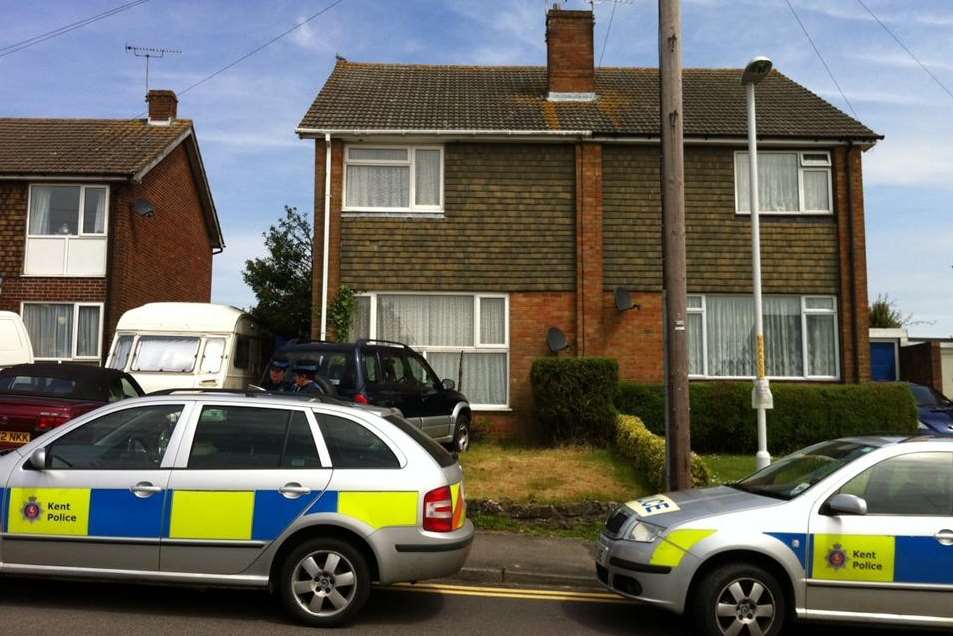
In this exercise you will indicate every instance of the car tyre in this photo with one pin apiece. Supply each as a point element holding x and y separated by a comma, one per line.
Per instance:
<point>461,434</point>
<point>732,597</point>
<point>324,582</point>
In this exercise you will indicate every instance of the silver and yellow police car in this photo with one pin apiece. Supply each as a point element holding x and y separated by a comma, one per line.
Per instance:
<point>313,500</point>
<point>855,529</point>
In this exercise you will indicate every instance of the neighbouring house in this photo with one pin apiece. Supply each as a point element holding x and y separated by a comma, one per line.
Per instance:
<point>475,207</point>
<point>98,216</point>
<point>896,355</point>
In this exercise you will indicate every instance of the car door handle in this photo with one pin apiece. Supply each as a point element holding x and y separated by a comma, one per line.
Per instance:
<point>294,490</point>
<point>945,537</point>
<point>145,489</point>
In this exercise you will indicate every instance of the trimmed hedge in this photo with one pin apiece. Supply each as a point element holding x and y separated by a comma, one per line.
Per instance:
<point>574,398</point>
<point>647,452</point>
<point>803,414</point>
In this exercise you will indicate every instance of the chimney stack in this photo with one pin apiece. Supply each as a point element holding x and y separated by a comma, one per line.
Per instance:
<point>163,105</point>
<point>569,55</point>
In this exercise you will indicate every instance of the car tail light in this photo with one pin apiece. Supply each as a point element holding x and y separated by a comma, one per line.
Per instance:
<point>360,398</point>
<point>438,510</point>
<point>46,421</point>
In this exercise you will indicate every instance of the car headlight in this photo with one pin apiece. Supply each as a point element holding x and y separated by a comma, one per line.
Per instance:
<point>644,532</point>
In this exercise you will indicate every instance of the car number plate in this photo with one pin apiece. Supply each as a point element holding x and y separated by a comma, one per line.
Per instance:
<point>602,558</point>
<point>14,437</point>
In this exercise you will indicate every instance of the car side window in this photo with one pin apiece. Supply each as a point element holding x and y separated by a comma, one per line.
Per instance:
<point>248,438</point>
<point>912,484</point>
<point>336,368</point>
<point>128,390</point>
<point>115,390</point>
<point>353,446</point>
<point>372,367</point>
<point>421,372</point>
<point>130,439</point>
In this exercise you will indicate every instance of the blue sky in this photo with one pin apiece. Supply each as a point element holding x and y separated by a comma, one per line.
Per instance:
<point>246,117</point>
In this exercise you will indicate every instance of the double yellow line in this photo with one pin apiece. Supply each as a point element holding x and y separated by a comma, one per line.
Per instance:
<point>510,592</point>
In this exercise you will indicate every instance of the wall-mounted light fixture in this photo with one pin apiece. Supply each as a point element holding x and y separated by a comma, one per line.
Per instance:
<point>143,207</point>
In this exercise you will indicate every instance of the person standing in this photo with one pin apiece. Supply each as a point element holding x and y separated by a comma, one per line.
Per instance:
<point>305,370</point>
<point>277,377</point>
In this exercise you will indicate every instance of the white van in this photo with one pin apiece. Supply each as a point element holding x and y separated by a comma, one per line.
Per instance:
<point>189,345</point>
<point>15,347</point>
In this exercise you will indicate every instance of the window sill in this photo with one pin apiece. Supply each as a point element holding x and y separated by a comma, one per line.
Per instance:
<point>392,214</point>
<point>750,378</point>
<point>820,213</point>
<point>25,275</point>
<point>489,408</point>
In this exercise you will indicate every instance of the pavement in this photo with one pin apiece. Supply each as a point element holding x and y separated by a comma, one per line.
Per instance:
<point>499,558</point>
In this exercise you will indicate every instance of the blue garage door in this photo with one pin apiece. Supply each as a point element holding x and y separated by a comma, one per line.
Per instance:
<point>883,361</point>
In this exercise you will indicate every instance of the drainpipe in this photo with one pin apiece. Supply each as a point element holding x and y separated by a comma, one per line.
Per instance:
<point>855,313</point>
<point>327,237</point>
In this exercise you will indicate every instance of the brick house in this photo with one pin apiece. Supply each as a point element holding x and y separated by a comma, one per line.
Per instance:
<point>98,216</point>
<point>476,207</point>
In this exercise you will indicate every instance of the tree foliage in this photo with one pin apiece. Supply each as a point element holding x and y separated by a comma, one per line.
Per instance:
<point>884,314</point>
<point>281,280</point>
<point>341,313</point>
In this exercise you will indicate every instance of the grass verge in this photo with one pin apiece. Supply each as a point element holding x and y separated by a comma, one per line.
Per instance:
<point>564,529</point>
<point>728,468</point>
<point>564,474</point>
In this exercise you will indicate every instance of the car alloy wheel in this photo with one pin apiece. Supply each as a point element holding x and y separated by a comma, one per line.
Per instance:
<point>745,606</point>
<point>324,583</point>
<point>461,436</point>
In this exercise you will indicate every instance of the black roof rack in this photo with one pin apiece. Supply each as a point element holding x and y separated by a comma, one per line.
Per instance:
<point>384,342</point>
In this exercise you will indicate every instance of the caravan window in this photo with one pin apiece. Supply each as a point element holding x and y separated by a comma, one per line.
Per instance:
<point>212,356</point>
<point>171,354</point>
<point>121,353</point>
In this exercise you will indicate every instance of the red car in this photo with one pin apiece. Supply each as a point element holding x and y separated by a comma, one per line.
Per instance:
<point>37,397</point>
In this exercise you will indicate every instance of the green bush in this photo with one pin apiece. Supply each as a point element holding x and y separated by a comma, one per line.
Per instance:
<point>647,452</point>
<point>574,398</point>
<point>724,422</point>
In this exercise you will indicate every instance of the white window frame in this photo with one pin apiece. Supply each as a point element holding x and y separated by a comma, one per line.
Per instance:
<point>477,347</point>
<point>74,328</point>
<point>411,162</point>
<point>804,165</point>
<point>805,312</point>
<point>67,238</point>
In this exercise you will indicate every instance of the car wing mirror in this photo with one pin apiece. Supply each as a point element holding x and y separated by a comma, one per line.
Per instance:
<point>448,384</point>
<point>38,459</point>
<point>844,504</point>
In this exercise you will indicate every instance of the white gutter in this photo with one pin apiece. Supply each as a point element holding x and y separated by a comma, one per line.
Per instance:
<point>441,132</point>
<point>327,238</point>
<point>57,177</point>
<point>734,141</point>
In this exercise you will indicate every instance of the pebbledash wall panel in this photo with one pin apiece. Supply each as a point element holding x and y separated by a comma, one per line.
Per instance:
<point>509,225</point>
<point>799,253</point>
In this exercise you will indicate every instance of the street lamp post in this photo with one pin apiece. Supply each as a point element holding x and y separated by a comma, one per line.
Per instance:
<point>761,399</point>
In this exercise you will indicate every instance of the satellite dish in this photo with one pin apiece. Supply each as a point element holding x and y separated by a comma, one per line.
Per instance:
<point>623,300</point>
<point>143,207</point>
<point>556,340</point>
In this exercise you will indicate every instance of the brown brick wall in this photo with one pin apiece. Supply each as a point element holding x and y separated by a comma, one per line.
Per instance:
<point>334,244</point>
<point>569,51</point>
<point>922,363</point>
<point>589,261</point>
<point>509,225</point>
<point>167,257</point>
<point>799,255</point>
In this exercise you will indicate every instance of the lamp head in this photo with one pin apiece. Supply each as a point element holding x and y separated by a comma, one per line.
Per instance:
<point>756,70</point>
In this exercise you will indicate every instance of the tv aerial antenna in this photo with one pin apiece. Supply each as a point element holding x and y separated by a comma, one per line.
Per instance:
<point>149,53</point>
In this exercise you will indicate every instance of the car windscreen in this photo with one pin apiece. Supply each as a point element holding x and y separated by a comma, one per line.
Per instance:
<point>928,398</point>
<point>171,354</point>
<point>49,386</point>
<point>793,475</point>
<point>438,452</point>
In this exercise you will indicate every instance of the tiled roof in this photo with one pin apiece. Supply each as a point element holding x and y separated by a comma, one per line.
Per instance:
<point>364,96</point>
<point>118,147</point>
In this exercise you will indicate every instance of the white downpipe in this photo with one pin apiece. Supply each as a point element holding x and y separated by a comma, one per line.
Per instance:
<point>327,237</point>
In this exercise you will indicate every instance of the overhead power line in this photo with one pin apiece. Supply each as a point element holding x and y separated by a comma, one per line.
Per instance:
<point>906,48</point>
<point>830,73</point>
<point>605,42</point>
<point>49,35</point>
<point>263,46</point>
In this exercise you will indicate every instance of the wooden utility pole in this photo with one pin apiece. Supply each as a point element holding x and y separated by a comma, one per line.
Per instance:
<point>673,261</point>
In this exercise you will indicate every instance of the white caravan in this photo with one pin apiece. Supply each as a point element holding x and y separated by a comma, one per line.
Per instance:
<point>15,347</point>
<point>189,345</point>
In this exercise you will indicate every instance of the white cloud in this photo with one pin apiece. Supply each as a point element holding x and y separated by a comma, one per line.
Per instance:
<point>910,161</point>
<point>227,284</point>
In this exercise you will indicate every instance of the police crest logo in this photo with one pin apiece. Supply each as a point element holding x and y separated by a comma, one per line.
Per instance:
<point>32,510</point>
<point>837,557</point>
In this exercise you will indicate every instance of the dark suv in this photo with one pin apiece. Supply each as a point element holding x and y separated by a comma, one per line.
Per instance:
<point>389,374</point>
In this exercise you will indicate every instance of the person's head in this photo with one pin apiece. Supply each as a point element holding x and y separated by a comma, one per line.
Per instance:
<point>305,372</point>
<point>277,371</point>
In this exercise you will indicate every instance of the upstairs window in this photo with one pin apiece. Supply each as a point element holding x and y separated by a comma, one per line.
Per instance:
<point>66,231</point>
<point>393,179</point>
<point>789,182</point>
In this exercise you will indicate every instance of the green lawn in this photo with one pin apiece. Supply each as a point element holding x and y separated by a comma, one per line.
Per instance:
<point>548,475</point>
<point>729,468</point>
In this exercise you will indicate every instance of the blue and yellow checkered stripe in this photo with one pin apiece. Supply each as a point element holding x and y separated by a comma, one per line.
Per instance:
<point>191,514</point>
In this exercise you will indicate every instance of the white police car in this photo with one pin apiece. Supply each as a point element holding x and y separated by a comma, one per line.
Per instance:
<point>855,529</point>
<point>312,499</point>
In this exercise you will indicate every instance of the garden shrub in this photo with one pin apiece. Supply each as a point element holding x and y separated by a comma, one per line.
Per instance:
<point>803,414</point>
<point>574,399</point>
<point>647,452</point>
